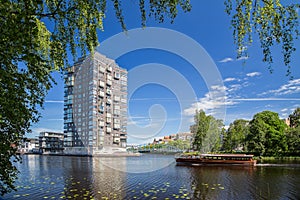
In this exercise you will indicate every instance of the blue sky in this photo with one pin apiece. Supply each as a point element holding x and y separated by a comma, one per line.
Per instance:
<point>156,109</point>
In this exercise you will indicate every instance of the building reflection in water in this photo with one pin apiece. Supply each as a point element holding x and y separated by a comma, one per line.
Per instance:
<point>95,177</point>
<point>109,177</point>
<point>66,177</point>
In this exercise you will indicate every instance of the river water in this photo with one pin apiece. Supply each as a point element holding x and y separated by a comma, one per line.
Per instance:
<point>150,177</point>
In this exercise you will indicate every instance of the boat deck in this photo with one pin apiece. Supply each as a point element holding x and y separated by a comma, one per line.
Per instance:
<point>220,159</point>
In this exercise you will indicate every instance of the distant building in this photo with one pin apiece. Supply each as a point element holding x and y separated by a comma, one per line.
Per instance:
<point>29,145</point>
<point>173,136</point>
<point>51,142</point>
<point>287,121</point>
<point>167,139</point>
<point>186,136</point>
<point>95,106</point>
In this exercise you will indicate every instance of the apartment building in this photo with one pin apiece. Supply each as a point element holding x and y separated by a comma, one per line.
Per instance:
<point>29,145</point>
<point>95,106</point>
<point>51,142</point>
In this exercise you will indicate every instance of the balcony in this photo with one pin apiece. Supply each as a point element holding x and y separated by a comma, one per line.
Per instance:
<point>109,82</point>
<point>116,139</point>
<point>108,101</point>
<point>109,69</point>
<point>117,112</point>
<point>123,136</point>
<point>101,123</point>
<point>102,69</point>
<point>108,119</point>
<point>101,84</point>
<point>117,98</point>
<point>101,94</point>
<point>117,126</point>
<point>117,75</point>
<point>108,77</point>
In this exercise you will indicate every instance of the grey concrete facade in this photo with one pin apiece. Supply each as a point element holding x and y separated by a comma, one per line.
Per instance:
<point>95,106</point>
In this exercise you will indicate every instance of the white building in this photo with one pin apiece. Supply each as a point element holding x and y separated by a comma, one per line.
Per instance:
<point>29,145</point>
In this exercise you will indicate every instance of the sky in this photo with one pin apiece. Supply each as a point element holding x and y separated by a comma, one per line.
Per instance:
<point>177,68</point>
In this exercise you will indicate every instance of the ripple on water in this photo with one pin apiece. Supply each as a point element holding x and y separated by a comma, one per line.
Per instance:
<point>79,178</point>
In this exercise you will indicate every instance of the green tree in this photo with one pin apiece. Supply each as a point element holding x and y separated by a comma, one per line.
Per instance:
<point>207,132</point>
<point>293,141</point>
<point>293,135</point>
<point>199,129</point>
<point>30,51</point>
<point>267,134</point>
<point>295,118</point>
<point>180,144</point>
<point>212,141</point>
<point>274,22</point>
<point>236,135</point>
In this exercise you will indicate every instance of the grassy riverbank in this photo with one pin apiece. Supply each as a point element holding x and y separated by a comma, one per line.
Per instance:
<point>272,158</point>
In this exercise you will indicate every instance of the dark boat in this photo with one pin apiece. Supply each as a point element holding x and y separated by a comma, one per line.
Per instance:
<point>216,159</point>
<point>144,151</point>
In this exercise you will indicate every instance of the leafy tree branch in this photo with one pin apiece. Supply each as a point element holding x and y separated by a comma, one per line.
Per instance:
<point>273,22</point>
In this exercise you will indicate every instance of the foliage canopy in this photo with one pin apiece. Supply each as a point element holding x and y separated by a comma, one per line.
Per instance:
<point>207,132</point>
<point>235,137</point>
<point>267,134</point>
<point>273,21</point>
<point>295,118</point>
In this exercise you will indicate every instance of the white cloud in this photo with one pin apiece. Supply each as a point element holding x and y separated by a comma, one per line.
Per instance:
<point>131,122</point>
<point>55,119</point>
<point>228,59</point>
<point>292,87</point>
<point>265,99</point>
<point>213,100</point>
<point>53,101</point>
<point>295,107</point>
<point>234,87</point>
<point>230,79</point>
<point>252,74</point>
<point>218,88</point>
<point>225,60</point>
<point>283,115</point>
<point>152,99</point>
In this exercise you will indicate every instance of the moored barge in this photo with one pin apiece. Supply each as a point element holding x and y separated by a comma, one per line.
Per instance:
<point>217,159</point>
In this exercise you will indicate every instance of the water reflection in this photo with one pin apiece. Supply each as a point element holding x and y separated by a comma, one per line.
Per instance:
<point>77,177</point>
<point>222,182</point>
<point>155,177</point>
<point>277,183</point>
<point>143,164</point>
<point>108,177</point>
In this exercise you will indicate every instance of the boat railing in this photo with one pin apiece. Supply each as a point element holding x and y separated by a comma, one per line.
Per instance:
<point>216,156</point>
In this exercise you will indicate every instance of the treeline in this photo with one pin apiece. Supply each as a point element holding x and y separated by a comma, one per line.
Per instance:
<point>265,135</point>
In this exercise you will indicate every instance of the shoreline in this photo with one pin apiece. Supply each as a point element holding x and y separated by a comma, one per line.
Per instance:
<point>262,160</point>
<point>86,155</point>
